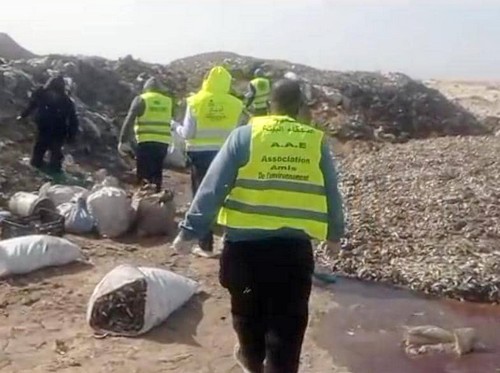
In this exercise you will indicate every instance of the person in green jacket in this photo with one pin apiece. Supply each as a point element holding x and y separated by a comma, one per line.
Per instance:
<point>150,116</point>
<point>259,91</point>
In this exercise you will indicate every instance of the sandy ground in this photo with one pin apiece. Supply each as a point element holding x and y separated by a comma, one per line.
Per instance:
<point>482,98</point>
<point>43,326</point>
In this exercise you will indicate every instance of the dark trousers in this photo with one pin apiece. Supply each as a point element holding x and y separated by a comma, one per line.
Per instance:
<point>199,164</point>
<point>51,144</point>
<point>149,158</point>
<point>270,283</point>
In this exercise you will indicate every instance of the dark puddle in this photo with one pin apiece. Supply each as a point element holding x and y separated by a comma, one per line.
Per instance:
<point>365,333</point>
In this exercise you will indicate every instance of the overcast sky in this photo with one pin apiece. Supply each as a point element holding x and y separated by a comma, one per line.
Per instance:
<point>439,38</point>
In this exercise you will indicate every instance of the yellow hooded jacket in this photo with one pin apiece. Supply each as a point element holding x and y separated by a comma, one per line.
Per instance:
<point>215,110</point>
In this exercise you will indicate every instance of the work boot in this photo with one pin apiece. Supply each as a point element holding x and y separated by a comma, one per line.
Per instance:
<point>239,359</point>
<point>198,251</point>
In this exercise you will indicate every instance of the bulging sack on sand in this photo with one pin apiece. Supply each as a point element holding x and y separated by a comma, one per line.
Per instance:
<point>77,218</point>
<point>60,194</point>
<point>112,211</point>
<point>130,301</point>
<point>29,253</point>
<point>155,213</point>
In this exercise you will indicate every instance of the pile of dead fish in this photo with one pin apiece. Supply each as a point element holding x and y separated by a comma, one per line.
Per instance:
<point>425,215</point>
<point>122,310</point>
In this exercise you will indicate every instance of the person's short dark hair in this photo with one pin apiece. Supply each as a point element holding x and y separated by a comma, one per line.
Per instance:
<point>286,97</point>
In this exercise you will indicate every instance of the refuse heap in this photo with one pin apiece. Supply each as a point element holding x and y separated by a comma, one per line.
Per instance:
<point>353,105</point>
<point>425,215</point>
<point>102,91</point>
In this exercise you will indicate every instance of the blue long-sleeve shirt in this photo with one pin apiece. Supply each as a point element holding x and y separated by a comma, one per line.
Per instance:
<point>220,179</point>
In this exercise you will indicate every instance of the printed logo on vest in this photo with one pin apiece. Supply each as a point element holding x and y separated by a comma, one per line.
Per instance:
<point>296,145</point>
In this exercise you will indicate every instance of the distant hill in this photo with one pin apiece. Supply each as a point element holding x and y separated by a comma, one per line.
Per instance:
<point>10,50</point>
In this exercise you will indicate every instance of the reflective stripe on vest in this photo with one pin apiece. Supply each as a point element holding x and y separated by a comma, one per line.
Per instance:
<point>262,91</point>
<point>154,124</point>
<point>216,115</point>
<point>282,185</point>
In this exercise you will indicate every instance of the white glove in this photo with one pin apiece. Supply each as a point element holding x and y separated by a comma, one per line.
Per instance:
<point>124,149</point>
<point>174,125</point>
<point>182,247</point>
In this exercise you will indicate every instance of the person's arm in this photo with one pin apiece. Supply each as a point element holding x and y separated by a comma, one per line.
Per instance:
<point>32,105</point>
<point>244,118</point>
<point>250,95</point>
<point>333,197</point>
<point>188,128</point>
<point>136,109</point>
<point>72,121</point>
<point>216,185</point>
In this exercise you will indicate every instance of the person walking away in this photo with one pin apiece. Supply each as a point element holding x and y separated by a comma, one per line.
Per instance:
<point>56,121</point>
<point>211,115</point>
<point>273,187</point>
<point>257,97</point>
<point>150,115</point>
<point>307,96</point>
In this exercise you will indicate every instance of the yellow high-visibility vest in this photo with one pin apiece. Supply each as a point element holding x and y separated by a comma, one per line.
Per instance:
<point>154,124</point>
<point>216,115</point>
<point>262,92</point>
<point>282,185</point>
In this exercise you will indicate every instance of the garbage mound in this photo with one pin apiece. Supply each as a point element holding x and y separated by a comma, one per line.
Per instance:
<point>424,215</point>
<point>355,105</point>
<point>352,105</point>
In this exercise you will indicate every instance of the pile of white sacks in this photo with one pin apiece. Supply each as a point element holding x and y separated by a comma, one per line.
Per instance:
<point>108,209</point>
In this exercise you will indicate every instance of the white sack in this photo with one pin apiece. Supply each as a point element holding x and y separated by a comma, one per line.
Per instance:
<point>60,194</point>
<point>166,292</point>
<point>77,218</point>
<point>112,211</point>
<point>28,253</point>
<point>107,181</point>
<point>176,156</point>
<point>155,214</point>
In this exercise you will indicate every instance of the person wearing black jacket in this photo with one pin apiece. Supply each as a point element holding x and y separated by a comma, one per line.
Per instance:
<point>56,121</point>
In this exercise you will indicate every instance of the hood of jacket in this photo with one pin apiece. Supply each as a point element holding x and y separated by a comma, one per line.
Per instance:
<point>217,81</point>
<point>56,84</point>
<point>152,85</point>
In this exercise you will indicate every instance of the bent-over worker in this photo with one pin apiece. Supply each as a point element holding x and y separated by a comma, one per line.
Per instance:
<point>150,116</point>
<point>211,115</point>
<point>273,187</point>
<point>56,121</point>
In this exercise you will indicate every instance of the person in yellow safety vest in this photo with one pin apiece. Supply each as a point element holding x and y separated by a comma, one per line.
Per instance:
<point>150,117</point>
<point>273,186</point>
<point>211,115</point>
<point>257,97</point>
